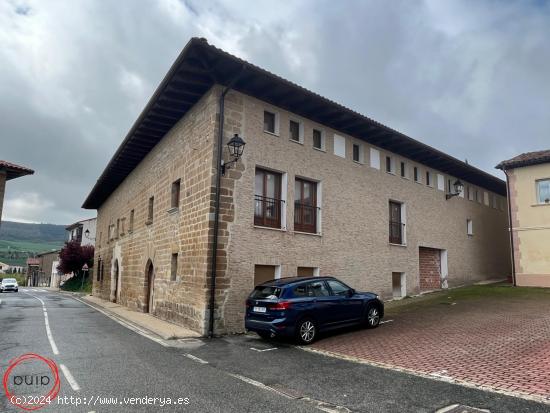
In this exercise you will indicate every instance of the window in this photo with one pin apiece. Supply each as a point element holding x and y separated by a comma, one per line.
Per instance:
<point>543,191</point>
<point>318,289</point>
<point>470,193</point>
<point>403,170</point>
<point>305,206</point>
<point>338,288</point>
<point>428,178</point>
<point>469,227</point>
<point>300,291</point>
<point>150,210</point>
<point>295,131</point>
<point>122,226</point>
<point>477,196</point>
<point>98,276</point>
<point>175,196</point>
<point>267,198</point>
<point>356,153</point>
<point>318,139</point>
<point>396,225</point>
<point>174,267</point>
<point>307,271</point>
<point>416,174</point>
<point>449,186</point>
<point>263,273</point>
<point>269,122</point>
<point>388,164</point>
<point>102,269</point>
<point>131,227</point>
<point>117,233</point>
<point>340,146</point>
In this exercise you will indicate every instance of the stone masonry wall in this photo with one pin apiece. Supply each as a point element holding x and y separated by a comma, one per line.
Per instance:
<point>353,242</point>
<point>185,153</point>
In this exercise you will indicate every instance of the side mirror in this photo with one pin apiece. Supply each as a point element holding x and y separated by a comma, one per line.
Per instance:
<point>351,292</point>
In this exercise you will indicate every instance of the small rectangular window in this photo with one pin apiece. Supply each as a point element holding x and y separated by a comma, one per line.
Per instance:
<point>174,267</point>
<point>477,198</point>
<point>396,223</point>
<point>294,131</point>
<point>416,176</point>
<point>543,191</point>
<point>131,225</point>
<point>150,210</point>
<point>469,227</point>
<point>389,164</point>
<point>339,146</point>
<point>269,122</point>
<point>117,233</point>
<point>318,139</point>
<point>428,178</point>
<point>356,153</point>
<point>175,200</point>
<point>403,169</point>
<point>449,186</point>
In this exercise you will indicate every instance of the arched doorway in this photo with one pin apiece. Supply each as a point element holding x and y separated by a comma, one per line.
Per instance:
<point>115,281</point>
<point>149,286</point>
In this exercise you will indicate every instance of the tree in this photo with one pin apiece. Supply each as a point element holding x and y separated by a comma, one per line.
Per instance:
<point>73,256</point>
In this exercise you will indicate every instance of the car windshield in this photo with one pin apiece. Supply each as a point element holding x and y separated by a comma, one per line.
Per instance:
<point>8,281</point>
<point>268,292</point>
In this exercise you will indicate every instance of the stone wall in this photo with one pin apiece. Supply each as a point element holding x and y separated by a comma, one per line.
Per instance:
<point>185,153</point>
<point>353,242</point>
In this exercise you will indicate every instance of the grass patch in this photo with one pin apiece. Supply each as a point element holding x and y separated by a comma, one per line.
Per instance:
<point>75,283</point>
<point>500,291</point>
<point>17,252</point>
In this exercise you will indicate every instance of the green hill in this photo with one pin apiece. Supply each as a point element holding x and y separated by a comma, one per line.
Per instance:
<point>18,241</point>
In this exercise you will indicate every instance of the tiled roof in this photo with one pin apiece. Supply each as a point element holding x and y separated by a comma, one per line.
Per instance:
<point>13,170</point>
<point>201,65</point>
<point>525,159</point>
<point>33,261</point>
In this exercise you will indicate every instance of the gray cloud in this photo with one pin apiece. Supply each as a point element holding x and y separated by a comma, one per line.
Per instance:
<point>467,77</point>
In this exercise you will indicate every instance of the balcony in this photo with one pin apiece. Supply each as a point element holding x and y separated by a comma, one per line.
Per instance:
<point>267,211</point>
<point>397,229</point>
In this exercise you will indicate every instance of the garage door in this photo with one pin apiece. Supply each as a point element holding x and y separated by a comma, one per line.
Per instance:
<point>430,268</point>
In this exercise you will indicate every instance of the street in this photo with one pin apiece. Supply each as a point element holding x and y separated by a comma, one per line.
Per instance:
<point>104,362</point>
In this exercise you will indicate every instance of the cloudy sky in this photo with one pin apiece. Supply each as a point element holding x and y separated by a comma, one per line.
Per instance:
<point>469,77</point>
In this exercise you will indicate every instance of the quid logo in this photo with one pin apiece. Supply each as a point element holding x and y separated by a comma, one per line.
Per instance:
<point>31,381</point>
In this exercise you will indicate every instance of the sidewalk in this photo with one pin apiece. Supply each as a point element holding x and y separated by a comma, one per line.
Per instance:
<point>164,329</point>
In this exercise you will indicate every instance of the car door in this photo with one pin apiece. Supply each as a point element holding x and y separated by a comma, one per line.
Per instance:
<point>323,305</point>
<point>348,308</point>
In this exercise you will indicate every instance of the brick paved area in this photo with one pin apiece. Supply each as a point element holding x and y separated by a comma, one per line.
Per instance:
<point>496,341</point>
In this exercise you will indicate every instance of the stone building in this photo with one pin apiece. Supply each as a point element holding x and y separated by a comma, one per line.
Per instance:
<point>10,171</point>
<point>528,178</point>
<point>319,190</point>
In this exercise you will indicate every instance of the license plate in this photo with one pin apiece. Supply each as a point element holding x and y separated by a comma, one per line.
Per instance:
<point>259,309</point>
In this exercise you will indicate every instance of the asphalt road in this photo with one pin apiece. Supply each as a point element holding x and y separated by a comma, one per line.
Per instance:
<point>104,362</point>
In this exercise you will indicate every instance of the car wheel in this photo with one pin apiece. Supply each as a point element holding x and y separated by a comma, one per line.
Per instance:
<point>373,316</point>
<point>306,331</point>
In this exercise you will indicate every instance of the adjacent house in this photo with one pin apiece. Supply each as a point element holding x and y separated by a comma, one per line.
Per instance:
<point>528,177</point>
<point>34,277</point>
<point>82,232</point>
<point>10,171</point>
<point>185,233</point>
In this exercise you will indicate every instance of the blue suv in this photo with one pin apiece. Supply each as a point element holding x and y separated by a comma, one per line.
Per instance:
<point>304,307</point>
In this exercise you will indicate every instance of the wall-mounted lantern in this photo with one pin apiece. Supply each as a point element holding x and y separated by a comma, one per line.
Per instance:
<point>458,187</point>
<point>236,149</point>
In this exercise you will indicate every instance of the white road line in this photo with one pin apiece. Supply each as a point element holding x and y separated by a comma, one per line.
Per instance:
<point>194,358</point>
<point>262,350</point>
<point>72,382</point>
<point>125,324</point>
<point>385,321</point>
<point>48,330</point>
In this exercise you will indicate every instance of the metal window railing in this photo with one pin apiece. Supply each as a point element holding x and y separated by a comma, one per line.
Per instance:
<point>397,229</point>
<point>305,217</point>
<point>267,211</point>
